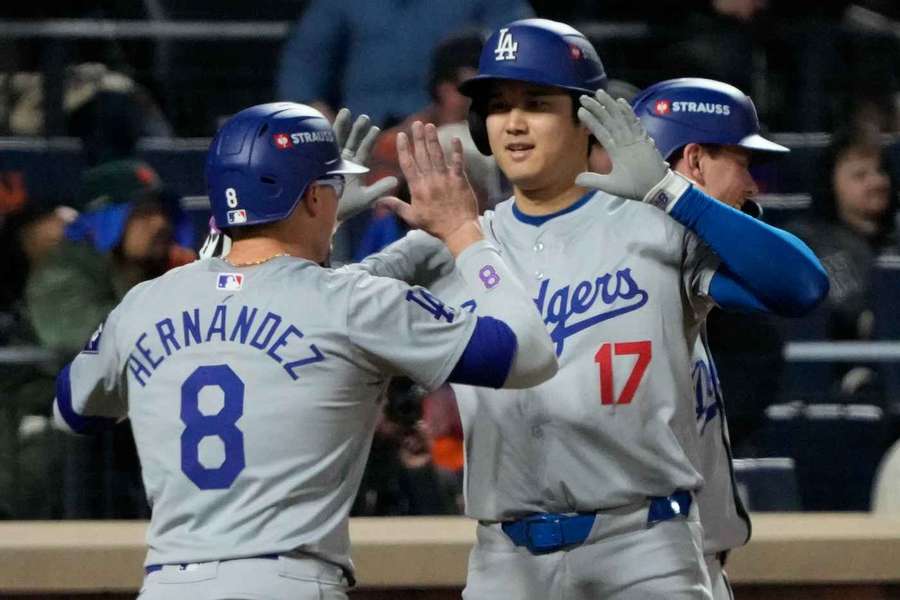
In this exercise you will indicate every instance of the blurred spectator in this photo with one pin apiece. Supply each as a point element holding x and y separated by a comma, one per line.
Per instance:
<point>723,44</point>
<point>129,232</point>
<point>440,416</point>
<point>486,179</point>
<point>367,56</point>
<point>107,109</point>
<point>29,449</point>
<point>400,477</point>
<point>124,236</point>
<point>851,223</point>
<point>26,238</point>
<point>454,60</point>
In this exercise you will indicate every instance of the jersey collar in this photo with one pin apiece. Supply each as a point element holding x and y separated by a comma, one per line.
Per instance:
<point>538,220</point>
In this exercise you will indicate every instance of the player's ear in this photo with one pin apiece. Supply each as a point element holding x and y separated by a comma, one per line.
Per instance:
<point>691,156</point>
<point>311,202</point>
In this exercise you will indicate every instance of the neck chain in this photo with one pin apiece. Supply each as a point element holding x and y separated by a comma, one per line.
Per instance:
<point>255,262</point>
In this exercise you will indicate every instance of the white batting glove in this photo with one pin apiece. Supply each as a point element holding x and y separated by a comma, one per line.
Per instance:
<point>638,169</point>
<point>356,142</point>
<point>217,243</point>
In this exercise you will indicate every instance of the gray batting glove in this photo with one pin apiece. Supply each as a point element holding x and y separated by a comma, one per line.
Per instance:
<point>356,142</point>
<point>638,167</point>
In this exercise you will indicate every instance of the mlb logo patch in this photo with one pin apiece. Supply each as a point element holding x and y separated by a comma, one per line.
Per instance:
<point>230,282</point>
<point>237,216</point>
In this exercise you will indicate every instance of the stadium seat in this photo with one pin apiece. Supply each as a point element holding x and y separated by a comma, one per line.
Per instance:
<point>836,449</point>
<point>767,484</point>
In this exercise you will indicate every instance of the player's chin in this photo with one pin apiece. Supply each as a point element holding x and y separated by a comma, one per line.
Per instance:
<point>524,173</point>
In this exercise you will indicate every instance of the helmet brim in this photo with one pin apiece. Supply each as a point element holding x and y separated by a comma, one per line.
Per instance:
<point>476,86</point>
<point>758,143</point>
<point>346,167</point>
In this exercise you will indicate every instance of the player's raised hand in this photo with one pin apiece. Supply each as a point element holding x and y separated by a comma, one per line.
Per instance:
<point>442,200</point>
<point>355,141</point>
<point>637,165</point>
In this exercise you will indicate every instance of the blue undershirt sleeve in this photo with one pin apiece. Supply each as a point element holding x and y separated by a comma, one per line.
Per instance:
<point>488,355</point>
<point>771,265</point>
<point>731,295</point>
<point>76,422</point>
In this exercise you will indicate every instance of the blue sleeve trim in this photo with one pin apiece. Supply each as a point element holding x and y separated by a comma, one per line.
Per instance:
<point>731,295</point>
<point>78,423</point>
<point>488,356</point>
<point>775,266</point>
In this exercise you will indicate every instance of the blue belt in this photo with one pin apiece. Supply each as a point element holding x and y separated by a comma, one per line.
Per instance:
<point>153,568</point>
<point>549,532</point>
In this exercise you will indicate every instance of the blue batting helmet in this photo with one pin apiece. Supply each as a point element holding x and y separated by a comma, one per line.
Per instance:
<point>536,51</point>
<point>264,157</point>
<point>678,112</point>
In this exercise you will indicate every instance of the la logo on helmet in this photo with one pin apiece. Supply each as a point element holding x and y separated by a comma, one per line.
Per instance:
<point>506,47</point>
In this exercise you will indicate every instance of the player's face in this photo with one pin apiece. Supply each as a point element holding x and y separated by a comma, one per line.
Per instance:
<point>534,136</point>
<point>726,175</point>
<point>861,187</point>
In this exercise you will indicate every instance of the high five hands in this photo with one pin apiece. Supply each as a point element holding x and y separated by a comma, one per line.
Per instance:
<point>356,142</point>
<point>637,165</point>
<point>442,200</point>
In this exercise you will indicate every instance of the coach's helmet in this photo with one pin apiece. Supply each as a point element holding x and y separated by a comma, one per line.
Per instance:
<point>264,157</point>
<point>537,51</point>
<point>678,112</point>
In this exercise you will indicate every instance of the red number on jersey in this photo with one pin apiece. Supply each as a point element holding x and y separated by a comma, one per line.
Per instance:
<point>604,357</point>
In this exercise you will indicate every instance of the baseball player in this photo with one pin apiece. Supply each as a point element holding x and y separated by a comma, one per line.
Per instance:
<point>252,382</point>
<point>709,132</point>
<point>584,486</point>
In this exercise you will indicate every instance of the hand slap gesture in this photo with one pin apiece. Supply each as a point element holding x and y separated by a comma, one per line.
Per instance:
<point>442,200</point>
<point>355,142</point>
<point>637,164</point>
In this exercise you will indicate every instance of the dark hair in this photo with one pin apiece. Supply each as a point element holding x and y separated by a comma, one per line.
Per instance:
<point>677,154</point>
<point>824,204</point>
<point>455,52</point>
<point>247,231</point>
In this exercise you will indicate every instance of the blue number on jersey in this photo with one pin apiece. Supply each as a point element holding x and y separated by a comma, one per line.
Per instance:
<point>427,301</point>
<point>221,425</point>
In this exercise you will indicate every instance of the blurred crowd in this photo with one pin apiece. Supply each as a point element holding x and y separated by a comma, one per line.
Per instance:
<point>73,249</point>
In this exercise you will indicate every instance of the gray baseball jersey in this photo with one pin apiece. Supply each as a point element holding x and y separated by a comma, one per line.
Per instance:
<point>253,396</point>
<point>622,288</point>
<point>726,523</point>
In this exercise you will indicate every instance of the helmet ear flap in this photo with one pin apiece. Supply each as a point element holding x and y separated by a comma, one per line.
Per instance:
<point>478,131</point>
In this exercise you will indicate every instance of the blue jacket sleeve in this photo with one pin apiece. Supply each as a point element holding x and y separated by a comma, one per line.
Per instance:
<point>311,56</point>
<point>778,269</point>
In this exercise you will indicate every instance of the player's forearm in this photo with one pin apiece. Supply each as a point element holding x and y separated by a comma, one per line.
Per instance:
<point>499,294</point>
<point>65,413</point>
<point>417,259</point>
<point>773,264</point>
